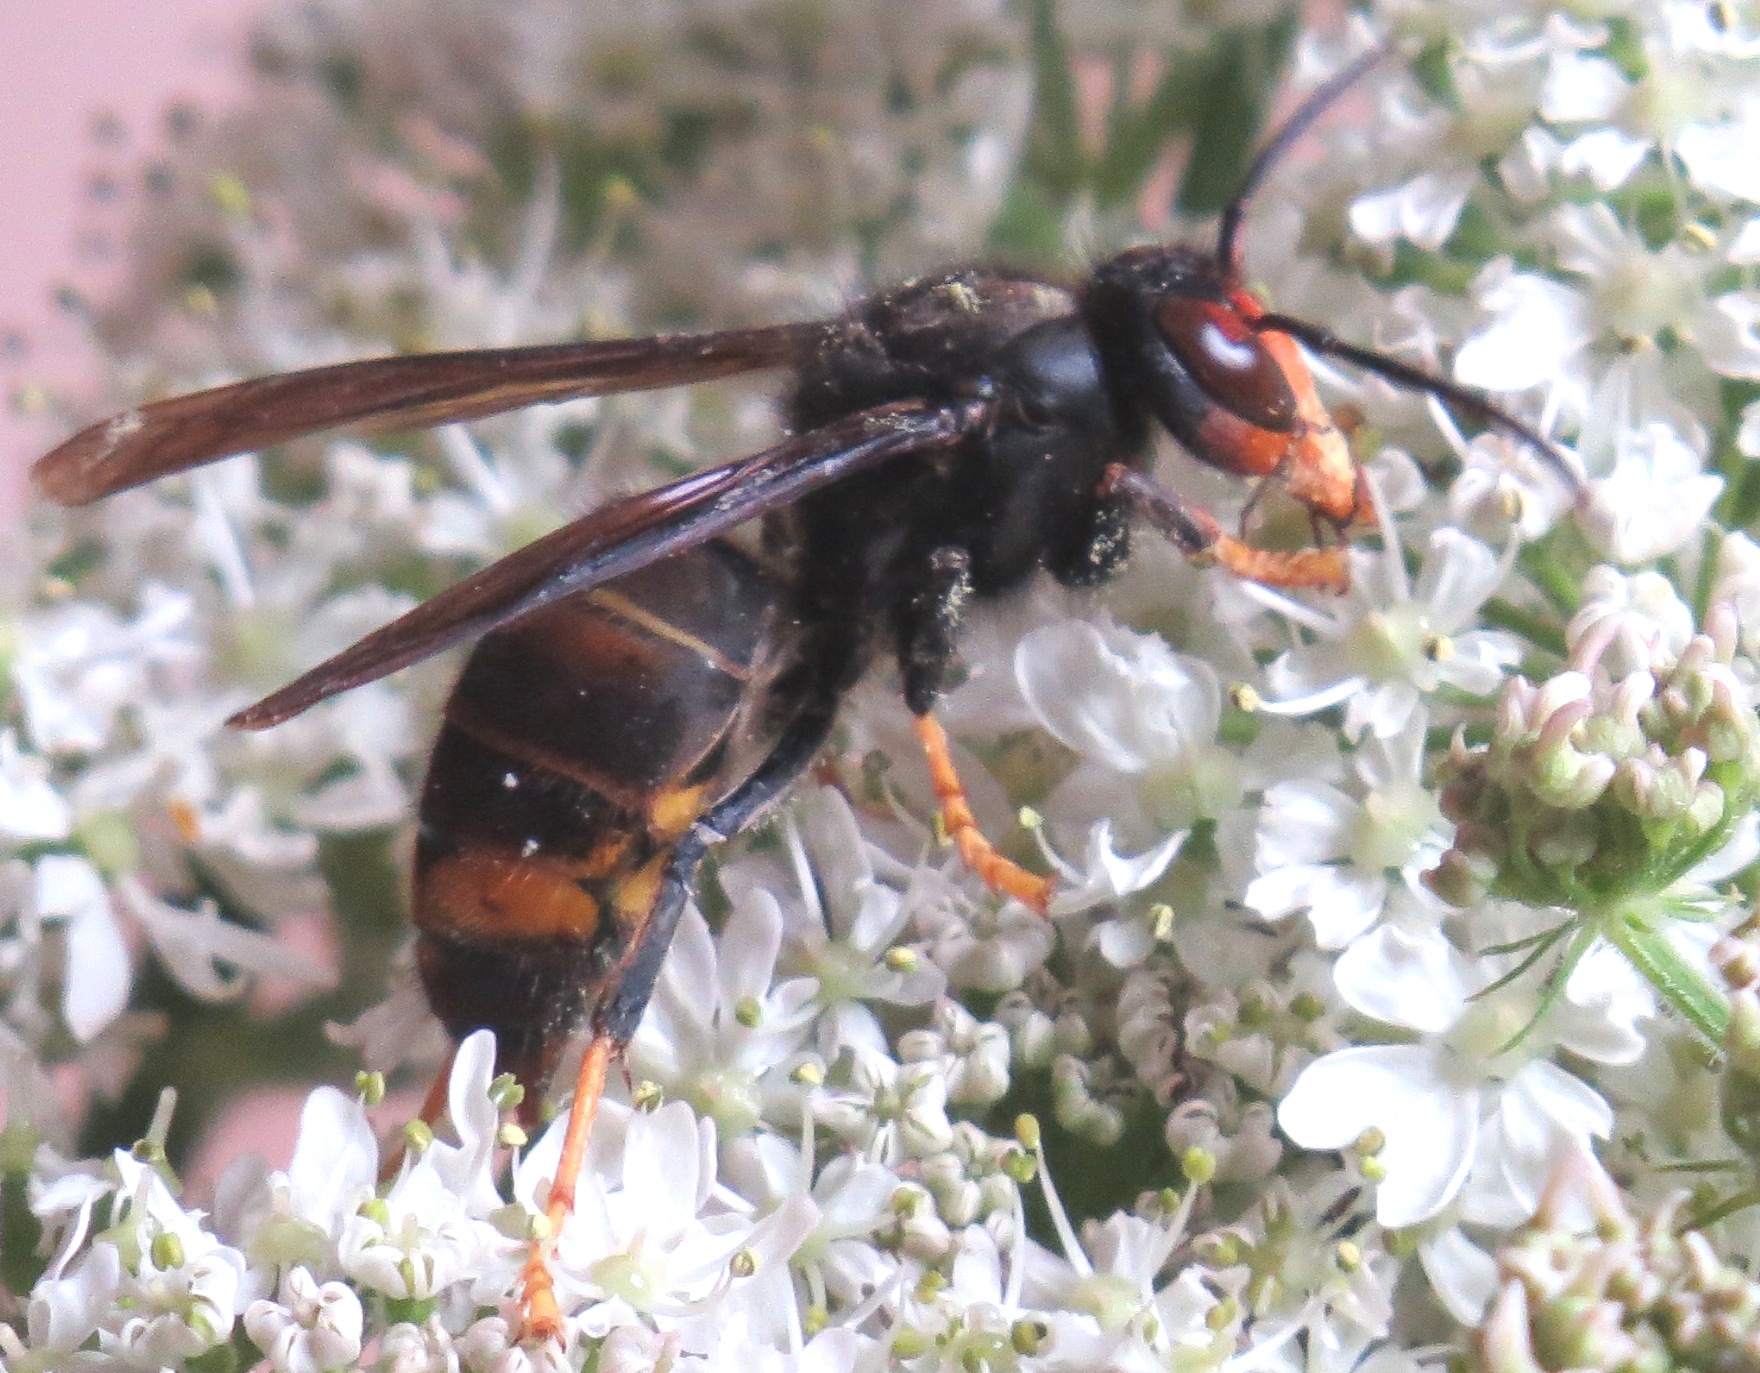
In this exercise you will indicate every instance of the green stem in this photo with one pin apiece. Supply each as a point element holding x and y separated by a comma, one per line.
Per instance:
<point>1540,630</point>
<point>1709,549</point>
<point>1680,984</point>
<point>1560,585</point>
<point>1741,1201</point>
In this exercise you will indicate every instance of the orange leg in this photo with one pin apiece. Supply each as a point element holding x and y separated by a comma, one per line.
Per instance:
<point>1196,533</point>
<point>1323,569</point>
<point>978,853</point>
<point>543,1318</point>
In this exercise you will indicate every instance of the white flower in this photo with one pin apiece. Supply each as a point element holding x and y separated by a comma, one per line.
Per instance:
<point>974,1311</point>
<point>1334,855</point>
<point>844,932</point>
<point>720,1024</point>
<point>401,1029</point>
<point>1386,645</point>
<point>1537,325</point>
<point>838,1264</point>
<point>1328,1349</point>
<point>646,1236</point>
<point>1462,1274</point>
<point>1627,623</point>
<point>1547,334</point>
<point>212,958</point>
<point>66,1309</point>
<point>317,1329</point>
<point>69,889</point>
<point>741,1350</point>
<point>1143,720</point>
<point>31,809</point>
<point>1241,1136</point>
<point>430,1229</point>
<point>979,945</point>
<point>264,867</point>
<point>1439,152</point>
<point>469,1168</point>
<point>63,1199</point>
<point>972,1055</point>
<point>1474,1095</point>
<point>184,1293</point>
<point>80,665</point>
<point>1748,436</point>
<point>181,1312</point>
<point>1505,489</point>
<point>1694,100</point>
<point>424,1348</point>
<point>300,1213</point>
<point>1106,1305</point>
<point>419,1243</point>
<point>1315,1295</point>
<point>1654,500</point>
<point>1738,585</point>
<point>890,1111</point>
<point>1103,878</point>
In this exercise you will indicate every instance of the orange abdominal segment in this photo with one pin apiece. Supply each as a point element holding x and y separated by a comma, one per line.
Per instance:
<point>633,897</point>
<point>675,809</point>
<point>500,896</point>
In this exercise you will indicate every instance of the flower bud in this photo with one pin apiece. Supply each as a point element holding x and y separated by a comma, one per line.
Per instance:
<point>1649,723</point>
<point>1618,1294</point>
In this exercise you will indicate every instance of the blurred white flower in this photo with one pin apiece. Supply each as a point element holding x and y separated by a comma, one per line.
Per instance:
<point>315,1327</point>
<point>69,890</point>
<point>1337,855</point>
<point>1654,500</point>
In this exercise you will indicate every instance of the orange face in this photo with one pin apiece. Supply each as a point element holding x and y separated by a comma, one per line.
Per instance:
<point>1265,418</point>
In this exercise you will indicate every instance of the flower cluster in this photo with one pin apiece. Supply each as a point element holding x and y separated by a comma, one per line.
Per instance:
<point>1617,775</point>
<point>1372,911</point>
<point>1587,1285</point>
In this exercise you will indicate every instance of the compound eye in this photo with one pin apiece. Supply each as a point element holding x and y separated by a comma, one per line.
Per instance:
<point>1230,363</point>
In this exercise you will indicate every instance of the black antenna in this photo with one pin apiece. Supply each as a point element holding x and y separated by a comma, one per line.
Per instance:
<point>1228,235</point>
<point>1467,399</point>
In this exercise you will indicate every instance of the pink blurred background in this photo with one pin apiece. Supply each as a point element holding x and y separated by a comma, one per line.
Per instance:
<point>72,74</point>
<point>84,88</point>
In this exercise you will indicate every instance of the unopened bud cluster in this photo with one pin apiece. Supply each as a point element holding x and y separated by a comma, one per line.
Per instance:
<point>1623,1296</point>
<point>1611,778</point>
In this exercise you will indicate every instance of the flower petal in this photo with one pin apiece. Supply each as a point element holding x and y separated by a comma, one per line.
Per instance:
<point>1430,1126</point>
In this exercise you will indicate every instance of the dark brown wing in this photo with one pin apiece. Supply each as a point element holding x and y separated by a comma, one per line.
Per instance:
<point>404,392</point>
<point>623,536</point>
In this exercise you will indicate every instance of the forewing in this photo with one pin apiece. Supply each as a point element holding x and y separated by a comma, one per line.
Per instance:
<point>623,536</point>
<point>411,392</point>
